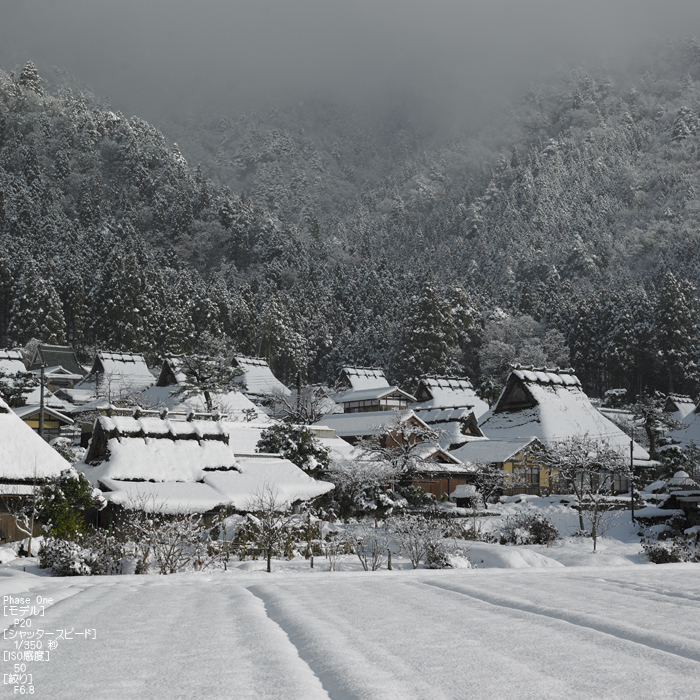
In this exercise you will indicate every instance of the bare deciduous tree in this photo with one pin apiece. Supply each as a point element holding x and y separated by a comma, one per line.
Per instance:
<point>272,520</point>
<point>306,408</point>
<point>371,546</point>
<point>587,468</point>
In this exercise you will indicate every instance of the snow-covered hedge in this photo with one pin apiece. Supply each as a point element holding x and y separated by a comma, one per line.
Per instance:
<point>96,553</point>
<point>528,528</point>
<point>672,551</point>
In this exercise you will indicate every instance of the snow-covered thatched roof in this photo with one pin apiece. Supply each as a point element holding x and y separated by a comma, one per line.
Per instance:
<point>238,488</point>
<point>258,376</point>
<point>188,466</point>
<point>680,405</point>
<point>233,403</point>
<point>689,432</point>
<point>358,384</point>
<point>114,374</point>
<point>449,392</point>
<point>362,378</point>
<point>551,406</point>
<point>11,362</point>
<point>23,454</point>
<point>171,372</point>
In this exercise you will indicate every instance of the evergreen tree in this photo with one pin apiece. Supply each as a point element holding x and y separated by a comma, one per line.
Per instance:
<point>676,319</point>
<point>37,311</point>
<point>29,78</point>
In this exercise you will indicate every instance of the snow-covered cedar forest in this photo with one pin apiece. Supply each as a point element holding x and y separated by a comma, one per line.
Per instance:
<point>563,233</point>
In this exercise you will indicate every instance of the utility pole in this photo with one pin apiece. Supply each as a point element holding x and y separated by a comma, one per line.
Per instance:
<point>41,402</point>
<point>299,395</point>
<point>632,478</point>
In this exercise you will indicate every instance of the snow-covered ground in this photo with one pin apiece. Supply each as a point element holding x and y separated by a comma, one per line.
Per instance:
<point>545,631</point>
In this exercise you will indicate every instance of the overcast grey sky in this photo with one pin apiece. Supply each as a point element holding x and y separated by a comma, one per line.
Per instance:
<point>455,55</point>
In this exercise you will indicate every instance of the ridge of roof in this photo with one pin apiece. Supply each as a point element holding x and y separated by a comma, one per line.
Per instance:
<point>546,375</point>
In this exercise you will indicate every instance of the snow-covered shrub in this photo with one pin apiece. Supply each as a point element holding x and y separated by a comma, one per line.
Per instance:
<point>416,497</point>
<point>70,452</point>
<point>416,534</point>
<point>335,543</point>
<point>472,529</point>
<point>297,444</point>
<point>678,549</point>
<point>527,528</point>
<point>91,554</point>
<point>437,555</point>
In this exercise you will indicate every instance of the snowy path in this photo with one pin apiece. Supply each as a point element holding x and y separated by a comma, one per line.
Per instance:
<point>628,632</point>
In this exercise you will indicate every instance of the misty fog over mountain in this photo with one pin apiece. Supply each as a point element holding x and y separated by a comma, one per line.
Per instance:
<point>452,59</point>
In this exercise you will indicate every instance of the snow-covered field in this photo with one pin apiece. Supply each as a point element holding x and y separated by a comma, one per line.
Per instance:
<point>545,631</point>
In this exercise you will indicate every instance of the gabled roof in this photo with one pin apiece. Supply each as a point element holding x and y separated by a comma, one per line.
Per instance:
<point>11,362</point>
<point>454,425</point>
<point>367,423</point>
<point>428,451</point>
<point>23,454</point>
<point>449,392</point>
<point>551,405</point>
<point>492,451</point>
<point>117,373</point>
<point>258,376</point>
<point>362,378</point>
<point>57,371</point>
<point>53,355</point>
<point>171,373</point>
<point>25,411</point>
<point>372,394</point>
<point>680,405</point>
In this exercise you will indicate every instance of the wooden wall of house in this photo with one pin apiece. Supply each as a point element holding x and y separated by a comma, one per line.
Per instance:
<point>536,474</point>
<point>439,485</point>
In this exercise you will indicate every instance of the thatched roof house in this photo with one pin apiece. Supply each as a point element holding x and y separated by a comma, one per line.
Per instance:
<point>174,466</point>
<point>448,392</point>
<point>550,404</point>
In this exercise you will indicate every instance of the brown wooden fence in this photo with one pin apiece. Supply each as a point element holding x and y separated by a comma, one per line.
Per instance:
<point>9,532</point>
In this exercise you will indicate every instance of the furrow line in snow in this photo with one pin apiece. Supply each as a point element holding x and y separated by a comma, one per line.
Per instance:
<point>653,592</point>
<point>347,662</point>
<point>658,641</point>
<point>291,638</point>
